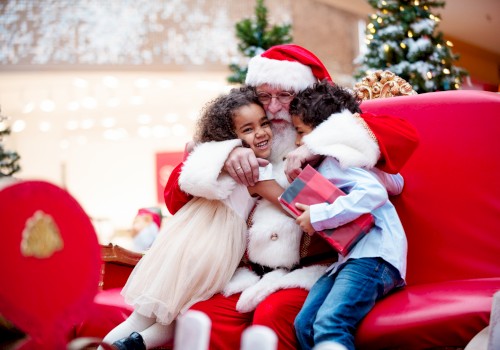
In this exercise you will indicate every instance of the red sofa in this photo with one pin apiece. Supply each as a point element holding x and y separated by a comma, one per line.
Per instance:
<point>450,209</point>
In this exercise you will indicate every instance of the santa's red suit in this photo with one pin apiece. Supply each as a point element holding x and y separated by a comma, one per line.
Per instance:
<point>289,261</point>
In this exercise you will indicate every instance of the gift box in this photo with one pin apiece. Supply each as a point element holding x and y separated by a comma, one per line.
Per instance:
<point>310,187</point>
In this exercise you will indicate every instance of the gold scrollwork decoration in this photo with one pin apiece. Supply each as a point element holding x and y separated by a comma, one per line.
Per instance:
<point>381,84</point>
<point>41,236</point>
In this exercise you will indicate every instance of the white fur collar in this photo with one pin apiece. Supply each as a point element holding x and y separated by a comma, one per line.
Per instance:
<point>344,137</point>
<point>201,173</point>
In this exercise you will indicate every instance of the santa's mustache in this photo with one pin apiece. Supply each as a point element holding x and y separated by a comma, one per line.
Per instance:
<point>280,120</point>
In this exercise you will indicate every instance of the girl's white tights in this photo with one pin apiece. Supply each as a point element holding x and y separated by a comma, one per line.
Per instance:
<point>154,334</point>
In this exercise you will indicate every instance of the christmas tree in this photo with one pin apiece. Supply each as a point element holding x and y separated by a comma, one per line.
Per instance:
<point>402,38</point>
<point>256,37</point>
<point>8,159</point>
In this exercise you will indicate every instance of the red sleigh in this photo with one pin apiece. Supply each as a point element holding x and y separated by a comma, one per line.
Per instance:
<point>450,209</point>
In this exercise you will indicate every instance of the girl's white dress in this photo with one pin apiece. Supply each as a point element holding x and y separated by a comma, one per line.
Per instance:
<point>198,250</point>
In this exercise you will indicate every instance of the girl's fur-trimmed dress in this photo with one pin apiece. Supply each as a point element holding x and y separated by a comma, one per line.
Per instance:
<point>197,252</point>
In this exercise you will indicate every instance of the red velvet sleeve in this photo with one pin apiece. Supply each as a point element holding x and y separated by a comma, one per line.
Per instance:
<point>175,198</point>
<point>397,140</point>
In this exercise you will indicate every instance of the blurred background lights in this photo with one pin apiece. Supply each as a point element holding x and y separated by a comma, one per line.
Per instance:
<point>47,105</point>
<point>18,125</point>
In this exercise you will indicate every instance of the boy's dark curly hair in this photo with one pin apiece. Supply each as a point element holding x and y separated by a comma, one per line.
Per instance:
<point>216,120</point>
<point>315,104</point>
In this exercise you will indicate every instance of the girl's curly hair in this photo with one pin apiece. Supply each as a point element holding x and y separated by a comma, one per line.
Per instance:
<point>315,104</point>
<point>216,120</point>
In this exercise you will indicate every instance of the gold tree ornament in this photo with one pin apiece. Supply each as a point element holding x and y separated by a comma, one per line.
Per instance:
<point>41,236</point>
<point>381,84</point>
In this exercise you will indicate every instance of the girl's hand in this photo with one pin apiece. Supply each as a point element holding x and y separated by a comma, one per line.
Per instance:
<point>304,220</point>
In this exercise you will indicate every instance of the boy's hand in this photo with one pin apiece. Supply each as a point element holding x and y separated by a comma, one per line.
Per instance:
<point>296,159</point>
<point>304,220</point>
<point>243,166</point>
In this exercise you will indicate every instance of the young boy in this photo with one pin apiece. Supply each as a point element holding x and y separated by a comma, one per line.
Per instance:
<point>377,264</point>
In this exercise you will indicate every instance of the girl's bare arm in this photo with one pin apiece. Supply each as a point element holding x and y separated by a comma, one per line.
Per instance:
<point>270,190</point>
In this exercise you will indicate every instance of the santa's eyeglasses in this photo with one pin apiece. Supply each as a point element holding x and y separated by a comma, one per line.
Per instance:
<point>282,97</point>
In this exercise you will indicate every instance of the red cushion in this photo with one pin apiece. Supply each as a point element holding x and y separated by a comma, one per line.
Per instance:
<point>108,311</point>
<point>429,315</point>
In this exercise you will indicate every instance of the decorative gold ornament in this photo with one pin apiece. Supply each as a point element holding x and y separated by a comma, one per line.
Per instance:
<point>382,84</point>
<point>366,127</point>
<point>41,236</point>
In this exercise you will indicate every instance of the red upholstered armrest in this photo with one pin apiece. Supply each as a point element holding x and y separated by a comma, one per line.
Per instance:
<point>109,309</point>
<point>430,315</point>
<point>107,312</point>
<point>118,263</point>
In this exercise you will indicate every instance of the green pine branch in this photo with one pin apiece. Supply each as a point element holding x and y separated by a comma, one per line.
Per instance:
<point>8,159</point>
<point>256,36</point>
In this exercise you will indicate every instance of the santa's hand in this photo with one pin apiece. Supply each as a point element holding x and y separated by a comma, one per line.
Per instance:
<point>304,219</point>
<point>243,166</point>
<point>296,159</point>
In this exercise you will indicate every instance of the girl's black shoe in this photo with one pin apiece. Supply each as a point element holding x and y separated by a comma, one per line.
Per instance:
<point>133,342</point>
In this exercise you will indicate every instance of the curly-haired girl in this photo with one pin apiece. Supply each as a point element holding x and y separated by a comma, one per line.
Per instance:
<point>200,247</point>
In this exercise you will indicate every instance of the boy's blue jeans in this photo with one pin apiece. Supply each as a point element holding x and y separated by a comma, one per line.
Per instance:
<point>337,303</point>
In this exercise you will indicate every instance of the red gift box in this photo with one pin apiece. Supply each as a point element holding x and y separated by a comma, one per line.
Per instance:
<point>310,187</point>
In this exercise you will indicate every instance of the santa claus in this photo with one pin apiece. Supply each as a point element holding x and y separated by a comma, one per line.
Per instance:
<point>283,264</point>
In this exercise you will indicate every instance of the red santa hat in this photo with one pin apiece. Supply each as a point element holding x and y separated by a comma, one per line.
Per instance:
<point>397,140</point>
<point>290,67</point>
<point>155,214</point>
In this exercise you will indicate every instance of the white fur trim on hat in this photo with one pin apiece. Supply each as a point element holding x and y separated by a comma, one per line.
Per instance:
<point>344,137</point>
<point>201,173</point>
<point>287,75</point>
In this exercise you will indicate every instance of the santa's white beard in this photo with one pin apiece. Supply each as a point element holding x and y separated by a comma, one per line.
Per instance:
<point>283,136</point>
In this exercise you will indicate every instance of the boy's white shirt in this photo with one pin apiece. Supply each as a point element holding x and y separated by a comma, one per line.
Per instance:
<point>386,240</point>
<point>393,183</point>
